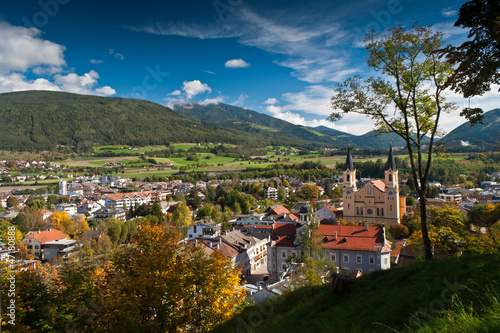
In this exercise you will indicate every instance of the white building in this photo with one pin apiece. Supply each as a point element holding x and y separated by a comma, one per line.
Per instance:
<point>69,208</point>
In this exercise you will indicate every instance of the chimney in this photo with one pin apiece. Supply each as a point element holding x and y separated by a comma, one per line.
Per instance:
<point>38,231</point>
<point>335,235</point>
<point>366,227</point>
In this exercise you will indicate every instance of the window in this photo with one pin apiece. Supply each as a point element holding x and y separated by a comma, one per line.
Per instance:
<point>348,206</point>
<point>348,177</point>
<point>361,210</point>
<point>36,247</point>
<point>372,260</point>
<point>385,261</point>
<point>333,258</point>
<point>381,212</point>
<point>390,178</point>
<point>284,267</point>
<point>357,211</point>
<point>390,208</point>
<point>369,190</point>
<point>30,247</point>
<point>359,259</point>
<point>378,211</point>
<point>346,258</point>
<point>283,254</point>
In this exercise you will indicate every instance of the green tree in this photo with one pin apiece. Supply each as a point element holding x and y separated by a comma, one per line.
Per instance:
<point>407,99</point>
<point>12,202</point>
<point>478,59</point>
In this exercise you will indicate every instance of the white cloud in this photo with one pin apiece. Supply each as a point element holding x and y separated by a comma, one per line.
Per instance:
<point>21,49</point>
<point>216,100</point>
<point>449,12</point>
<point>195,87</point>
<point>240,100</point>
<point>96,62</point>
<point>84,84</point>
<point>18,82</point>
<point>189,90</point>
<point>237,63</point>
<point>116,54</point>
<point>271,101</point>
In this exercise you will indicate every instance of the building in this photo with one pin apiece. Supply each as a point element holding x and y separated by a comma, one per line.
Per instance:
<point>375,201</point>
<point>36,240</point>
<point>110,212</point>
<point>328,214</point>
<point>63,187</point>
<point>270,193</point>
<point>59,248</point>
<point>127,200</point>
<point>70,209</point>
<point>358,248</point>
<point>281,247</point>
<point>204,230</point>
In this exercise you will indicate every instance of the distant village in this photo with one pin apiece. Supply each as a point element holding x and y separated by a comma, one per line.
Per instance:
<point>263,242</point>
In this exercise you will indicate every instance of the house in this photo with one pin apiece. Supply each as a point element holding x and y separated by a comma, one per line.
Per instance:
<point>110,212</point>
<point>36,240</point>
<point>282,246</point>
<point>59,248</point>
<point>89,207</point>
<point>375,201</point>
<point>204,230</point>
<point>360,248</point>
<point>328,214</point>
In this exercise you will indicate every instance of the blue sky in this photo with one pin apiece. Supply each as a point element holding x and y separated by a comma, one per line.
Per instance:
<point>277,57</point>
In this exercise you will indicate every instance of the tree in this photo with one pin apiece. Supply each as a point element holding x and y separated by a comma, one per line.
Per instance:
<point>407,99</point>
<point>12,202</point>
<point>478,59</point>
<point>308,191</point>
<point>30,219</point>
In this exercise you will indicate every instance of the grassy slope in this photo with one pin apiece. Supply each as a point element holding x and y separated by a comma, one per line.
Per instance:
<point>390,301</point>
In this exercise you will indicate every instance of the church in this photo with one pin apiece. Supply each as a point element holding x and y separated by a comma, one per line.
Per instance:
<point>375,201</point>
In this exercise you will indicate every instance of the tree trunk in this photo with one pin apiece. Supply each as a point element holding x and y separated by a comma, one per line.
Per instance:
<point>423,223</point>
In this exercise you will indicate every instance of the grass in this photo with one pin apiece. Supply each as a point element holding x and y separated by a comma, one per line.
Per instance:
<point>451,295</point>
<point>125,149</point>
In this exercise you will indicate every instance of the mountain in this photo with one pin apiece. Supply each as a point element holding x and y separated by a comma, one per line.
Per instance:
<point>255,122</point>
<point>449,295</point>
<point>488,131</point>
<point>41,120</point>
<point>258,123</point>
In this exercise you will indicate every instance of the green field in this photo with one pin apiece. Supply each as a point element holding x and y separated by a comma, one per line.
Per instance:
<point>119,149</point>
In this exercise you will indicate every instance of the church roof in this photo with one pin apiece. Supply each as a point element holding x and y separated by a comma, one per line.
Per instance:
<point>391,162</point>
<point>349,165</point>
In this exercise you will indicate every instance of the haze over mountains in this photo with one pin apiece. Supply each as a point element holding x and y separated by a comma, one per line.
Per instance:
<point>41,120</point>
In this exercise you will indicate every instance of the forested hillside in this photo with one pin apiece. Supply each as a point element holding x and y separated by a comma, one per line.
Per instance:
<point>42,120</point>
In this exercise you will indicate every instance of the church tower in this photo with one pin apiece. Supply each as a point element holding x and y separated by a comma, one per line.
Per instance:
<point>391,172</point>
<point>349,185</point>
<point>392,204</point>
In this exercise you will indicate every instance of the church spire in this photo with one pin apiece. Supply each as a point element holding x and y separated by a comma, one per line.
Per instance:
<point>391,162</point>
<point>349,165</point>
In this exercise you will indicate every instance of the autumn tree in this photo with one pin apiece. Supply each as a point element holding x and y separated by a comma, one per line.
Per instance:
<point>160,285</point>
<point>406,99</point>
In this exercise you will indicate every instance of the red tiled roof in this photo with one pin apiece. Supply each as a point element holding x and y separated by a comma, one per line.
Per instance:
<point>284,234</point>
<point>130,195</point>
<point>333,209</point>
<point>379,184</point>
<point>47,235</point>
<point>280,210</point>
<point>352,238</point>
<point>397,250</point>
